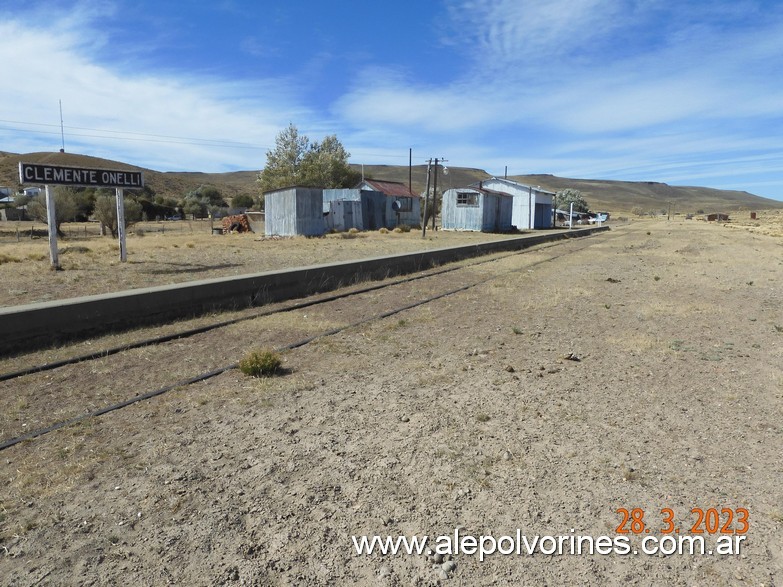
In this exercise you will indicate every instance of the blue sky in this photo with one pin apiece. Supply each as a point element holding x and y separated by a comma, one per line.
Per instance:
<point>686,92</point>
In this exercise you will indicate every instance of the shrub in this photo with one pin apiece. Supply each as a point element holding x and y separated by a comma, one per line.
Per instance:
<point>403,228</point>
<point>261,363</point>
<point>384,230</point>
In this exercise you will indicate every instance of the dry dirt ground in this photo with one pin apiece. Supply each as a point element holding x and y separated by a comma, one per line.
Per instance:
<point>467,412</point>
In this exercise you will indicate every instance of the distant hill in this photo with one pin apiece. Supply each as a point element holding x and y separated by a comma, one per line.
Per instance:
<point>617,197</point>
<point>624,196</point>
<point>171,184</point>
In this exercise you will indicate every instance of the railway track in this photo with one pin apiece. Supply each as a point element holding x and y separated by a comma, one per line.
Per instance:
<point>58,394</point>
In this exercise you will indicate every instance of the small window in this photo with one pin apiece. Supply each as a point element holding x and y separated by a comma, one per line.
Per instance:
<point>406,204</point>
<point>467,199</point>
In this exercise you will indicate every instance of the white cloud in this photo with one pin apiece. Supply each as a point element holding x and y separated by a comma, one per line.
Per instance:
<point>58,65</point>
<point>514,31</point>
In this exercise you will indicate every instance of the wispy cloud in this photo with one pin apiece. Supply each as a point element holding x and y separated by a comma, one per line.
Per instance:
<point>512,32</point>
<point>160,116</point>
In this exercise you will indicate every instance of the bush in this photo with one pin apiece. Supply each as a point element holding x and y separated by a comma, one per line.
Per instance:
<point>261,363</point>
<point>384,230</point>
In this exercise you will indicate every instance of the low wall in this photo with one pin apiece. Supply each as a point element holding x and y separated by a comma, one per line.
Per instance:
<point>23,328</point>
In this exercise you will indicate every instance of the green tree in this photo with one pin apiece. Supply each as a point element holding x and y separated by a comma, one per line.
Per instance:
<point>64,208</point>
<point>567,196</point>
<point>326,165</point>
<point>165,202</point>
<point>84,199</point>
<point>283,163</point>
<point>242,201</point>
<point>296,161</point>
<point>205,199</point>
<point>106,210</point>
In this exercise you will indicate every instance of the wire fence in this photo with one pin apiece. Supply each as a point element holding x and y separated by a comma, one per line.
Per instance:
<point>25,230</point>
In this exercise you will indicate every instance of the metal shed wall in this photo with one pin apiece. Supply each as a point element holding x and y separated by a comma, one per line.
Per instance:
<point>343,215</point>
<point>491,214</point>
<point>455,217</point>
<point>410,217</point>
<point>294,211</point>
<point>373,206</point>
<point>497,213</point>
<point>526,200</point>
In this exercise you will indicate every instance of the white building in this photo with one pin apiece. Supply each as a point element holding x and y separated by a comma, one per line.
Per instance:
<point>532,205</point>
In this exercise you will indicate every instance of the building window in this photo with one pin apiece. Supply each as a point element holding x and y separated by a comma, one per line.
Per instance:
<point>467,199</point>
<point>406,204</point>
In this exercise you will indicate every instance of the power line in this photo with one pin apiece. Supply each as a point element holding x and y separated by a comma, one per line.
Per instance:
<point>145,136</point>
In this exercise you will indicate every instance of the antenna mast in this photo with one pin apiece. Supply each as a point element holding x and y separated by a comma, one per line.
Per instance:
<point>62,131</point>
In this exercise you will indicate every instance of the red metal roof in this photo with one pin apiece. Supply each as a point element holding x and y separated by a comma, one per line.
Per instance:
<point>390,188</point>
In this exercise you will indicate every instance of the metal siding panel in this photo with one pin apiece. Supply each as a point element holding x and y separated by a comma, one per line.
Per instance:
<point>447,212</point>
<point>279,212</point>
<point>309,219</point>
<point>506,212</point>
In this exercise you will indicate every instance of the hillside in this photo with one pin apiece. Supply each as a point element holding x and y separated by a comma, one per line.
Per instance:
<point>649,195</point>
<point>170,184</point>
<point>617,197</point>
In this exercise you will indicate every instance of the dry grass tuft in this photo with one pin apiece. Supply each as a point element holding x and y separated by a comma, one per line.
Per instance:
<point>261,363</point>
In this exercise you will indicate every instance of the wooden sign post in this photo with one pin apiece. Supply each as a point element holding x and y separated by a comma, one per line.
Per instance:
<point>50,175</point>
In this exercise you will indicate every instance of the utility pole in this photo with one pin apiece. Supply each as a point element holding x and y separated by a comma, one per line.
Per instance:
<point>435,191</point>
<point>426,201</point>
<point>430,164</point>
<point>435,195</point>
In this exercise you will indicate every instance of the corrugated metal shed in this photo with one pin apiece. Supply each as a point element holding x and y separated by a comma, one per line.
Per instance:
<point>532,206</point>
<point>343,215</point>
<point>373,211</point>
<point>476,209</point>
<point>294,211</point>
<point>394,191</point>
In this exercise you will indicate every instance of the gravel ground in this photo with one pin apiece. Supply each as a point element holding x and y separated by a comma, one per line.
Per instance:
<point>639,372</point>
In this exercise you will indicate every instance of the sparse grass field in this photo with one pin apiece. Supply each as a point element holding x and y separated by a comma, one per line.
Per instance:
<point>175,252</point>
